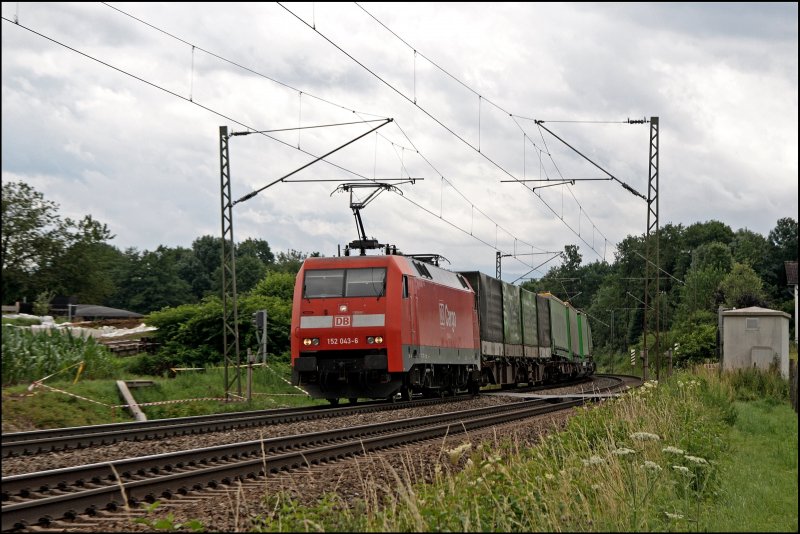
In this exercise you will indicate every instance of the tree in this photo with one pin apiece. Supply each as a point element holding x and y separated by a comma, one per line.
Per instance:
<point>707,232</point>
<point>43,254</point>
<point>750,248</point>
<point>713,255</point>
<point>33,236</point>
<point>150,281</point>
<point>782,248</point>
<point>257,248</point>
<point>291,260</point>
<point>742,288</point>
<point>85,267</point>
<point>700,291</point>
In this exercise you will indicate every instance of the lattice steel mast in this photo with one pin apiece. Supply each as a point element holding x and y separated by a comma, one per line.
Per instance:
<point>651,282</point>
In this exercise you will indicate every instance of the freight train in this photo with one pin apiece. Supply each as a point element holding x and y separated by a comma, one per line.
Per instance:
<point>376,326</point>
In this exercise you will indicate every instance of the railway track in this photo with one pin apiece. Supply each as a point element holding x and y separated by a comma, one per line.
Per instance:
<point>57,439</point>
<point>37,499</point>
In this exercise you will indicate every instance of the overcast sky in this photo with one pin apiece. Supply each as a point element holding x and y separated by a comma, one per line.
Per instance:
<point>115,111</point>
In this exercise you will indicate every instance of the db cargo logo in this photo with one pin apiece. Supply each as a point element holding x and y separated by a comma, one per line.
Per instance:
<point>447,318</point>
<point>341,320</point>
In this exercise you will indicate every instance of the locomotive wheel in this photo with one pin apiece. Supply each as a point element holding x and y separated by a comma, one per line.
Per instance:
<point>334,402</point>
<point>353,400</point>
<point>405,393</point>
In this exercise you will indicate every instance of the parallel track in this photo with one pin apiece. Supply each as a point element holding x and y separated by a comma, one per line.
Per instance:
<point>40,441</point>
<point>39,498</point>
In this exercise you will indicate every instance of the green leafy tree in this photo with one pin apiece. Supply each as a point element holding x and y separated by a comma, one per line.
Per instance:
<point>291,261</point>
<point>257,248</point>
<point>713,255</point>
<point>150,281</point>
<point>750,248</point>
<point>33,236</point>
<point>249,270</point>
<point>708,232</point>
<point>782,248</point>
<point>742,288</point>
<point>86,267</point>
<point>700,292</point>
<point>276,284</point>
<point>43,253</point>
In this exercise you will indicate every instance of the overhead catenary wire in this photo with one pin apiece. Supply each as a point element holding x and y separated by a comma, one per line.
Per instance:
<point>413,101</point>
<point>359,113</point>
<point>300,91</point>
<point>252,129</point>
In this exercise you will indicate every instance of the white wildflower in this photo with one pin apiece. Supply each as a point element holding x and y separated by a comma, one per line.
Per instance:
<point>682,469</point>
<point>549,476</point>
<point>623,452</point>
<point>673,516</point>
<point>672,450</point>
<point>455,454</point>
<point>645,436</point>
<point>697,460</point>
<point>652,466</point>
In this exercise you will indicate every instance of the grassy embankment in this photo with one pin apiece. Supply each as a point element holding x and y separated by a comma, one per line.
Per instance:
<point>700,451</point>
<point>683,455</point>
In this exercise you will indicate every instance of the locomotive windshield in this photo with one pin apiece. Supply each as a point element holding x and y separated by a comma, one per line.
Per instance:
<point>328,283</point>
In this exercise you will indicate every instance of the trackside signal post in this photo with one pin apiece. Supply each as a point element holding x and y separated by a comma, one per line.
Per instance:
<point>260,322</point>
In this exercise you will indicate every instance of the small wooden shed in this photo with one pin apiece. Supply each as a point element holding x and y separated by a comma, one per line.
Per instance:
<point>755,337</point>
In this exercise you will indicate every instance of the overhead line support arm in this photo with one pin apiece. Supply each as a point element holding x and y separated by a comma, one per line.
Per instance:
<point>623,184</point>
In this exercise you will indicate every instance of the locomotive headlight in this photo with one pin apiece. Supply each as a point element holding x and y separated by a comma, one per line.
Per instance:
<point>307,342</point>
<point>315,341</point>
<point>370,340</point>
<point>378,339</point>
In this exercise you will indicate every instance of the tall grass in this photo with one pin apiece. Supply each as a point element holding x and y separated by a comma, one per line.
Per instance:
<point>29,356</point>
<point>647,461</point>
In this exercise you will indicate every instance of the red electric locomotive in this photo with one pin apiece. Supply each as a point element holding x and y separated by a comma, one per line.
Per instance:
<point>373,326</point>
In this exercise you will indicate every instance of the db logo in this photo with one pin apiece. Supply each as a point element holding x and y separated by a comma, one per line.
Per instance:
<point>341,320</point>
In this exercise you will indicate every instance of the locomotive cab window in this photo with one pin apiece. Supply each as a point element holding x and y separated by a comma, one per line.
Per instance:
<point>366,282</point>
<point>323,283</point>
<point>331,283</point>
